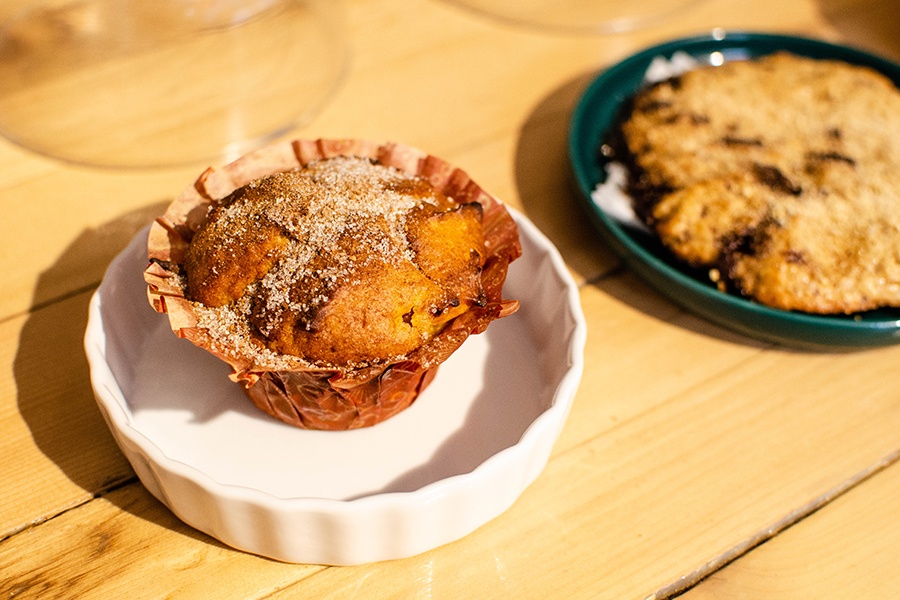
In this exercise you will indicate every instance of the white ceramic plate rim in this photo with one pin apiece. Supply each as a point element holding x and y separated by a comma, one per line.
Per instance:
<point>521,462</point>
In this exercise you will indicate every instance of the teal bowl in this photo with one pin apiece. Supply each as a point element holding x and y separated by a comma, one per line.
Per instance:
<point>596,114</point>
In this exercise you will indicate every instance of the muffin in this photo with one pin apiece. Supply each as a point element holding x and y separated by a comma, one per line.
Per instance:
<point>779,176</point>
<point>334,276</point>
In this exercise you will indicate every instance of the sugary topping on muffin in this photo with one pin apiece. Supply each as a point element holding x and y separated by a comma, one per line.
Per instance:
<point>345,262</point>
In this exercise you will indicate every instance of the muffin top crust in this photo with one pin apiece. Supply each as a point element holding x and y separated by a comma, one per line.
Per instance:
<point>344,262</point>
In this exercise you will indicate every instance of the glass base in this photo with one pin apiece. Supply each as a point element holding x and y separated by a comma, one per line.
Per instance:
<point>151,83</point>
<point>579,16</point>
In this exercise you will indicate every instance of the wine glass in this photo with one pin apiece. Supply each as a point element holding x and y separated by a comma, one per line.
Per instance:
<point>154,83</point>
<point>579,16</point>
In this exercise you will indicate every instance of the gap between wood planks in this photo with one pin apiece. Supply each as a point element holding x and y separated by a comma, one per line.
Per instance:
<point>685,582</point>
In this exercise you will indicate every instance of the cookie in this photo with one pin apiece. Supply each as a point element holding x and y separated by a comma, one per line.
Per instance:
<point>778,175</point>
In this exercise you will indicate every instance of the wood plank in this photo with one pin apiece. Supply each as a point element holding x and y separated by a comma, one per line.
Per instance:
<point>866,24</point>
<point>80,222</point>
<point>128,545</point>
<point>667,495</point>
<point>686,445</point>
<point>656,499</point>
<point>669,353</point>
<point>57,450</point>
<point>536,170</point>
<point>848,549</point>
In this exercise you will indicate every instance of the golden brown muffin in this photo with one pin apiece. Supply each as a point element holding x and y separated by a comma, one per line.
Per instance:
<point>336,285</point>
<point>780,175</point>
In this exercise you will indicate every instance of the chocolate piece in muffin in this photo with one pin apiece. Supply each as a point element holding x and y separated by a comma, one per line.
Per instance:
<point>781,175</point>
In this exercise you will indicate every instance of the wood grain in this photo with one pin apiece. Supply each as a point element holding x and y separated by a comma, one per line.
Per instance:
<point>57,451</point>
<point>128,545</point>
<point>664,497</point>
<point>848,549</point>
<point>688,447</point>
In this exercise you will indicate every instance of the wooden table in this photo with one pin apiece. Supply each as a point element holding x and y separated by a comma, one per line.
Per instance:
<point>694,460</point>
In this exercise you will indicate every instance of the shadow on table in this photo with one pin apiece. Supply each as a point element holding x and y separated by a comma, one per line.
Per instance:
<point>551,200</point>
<point>50,368</point>
<point>872,25</point>
<point>545,186</point>
<point>51,372</point>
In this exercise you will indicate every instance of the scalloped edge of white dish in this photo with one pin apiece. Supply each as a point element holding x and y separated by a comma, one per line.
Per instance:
<point>411,505</point>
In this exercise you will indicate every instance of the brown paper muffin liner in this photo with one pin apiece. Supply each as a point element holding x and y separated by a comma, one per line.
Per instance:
<point>306,395</point>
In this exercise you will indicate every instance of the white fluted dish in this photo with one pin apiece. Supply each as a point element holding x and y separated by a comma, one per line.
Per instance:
<point>458,457</point>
